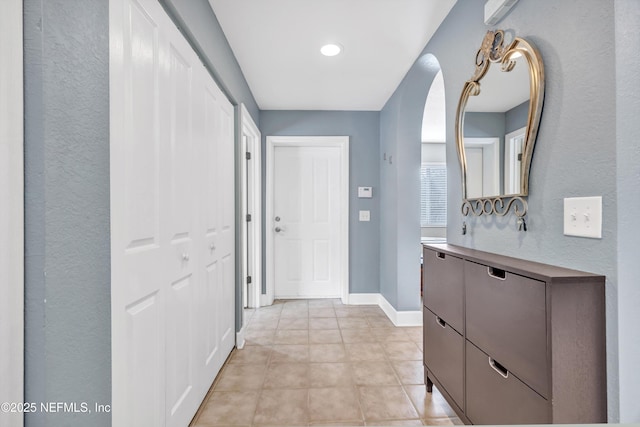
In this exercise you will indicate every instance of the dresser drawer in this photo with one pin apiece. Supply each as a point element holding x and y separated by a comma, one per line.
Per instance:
<point>506,318</point>
<point>496,396</point>
<point>443,355</point>
<point>444,286</point>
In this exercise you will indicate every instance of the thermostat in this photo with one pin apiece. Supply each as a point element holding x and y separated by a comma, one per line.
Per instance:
<point>365,192</point>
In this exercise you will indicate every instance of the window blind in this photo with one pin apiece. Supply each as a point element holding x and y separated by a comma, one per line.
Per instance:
<point>433,195</point>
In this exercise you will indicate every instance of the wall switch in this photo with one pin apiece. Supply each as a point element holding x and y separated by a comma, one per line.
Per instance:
<point>583,217</point>
<point>365,216</point>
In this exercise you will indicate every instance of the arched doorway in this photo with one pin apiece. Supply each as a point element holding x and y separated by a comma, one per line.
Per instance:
<point>433,167</point>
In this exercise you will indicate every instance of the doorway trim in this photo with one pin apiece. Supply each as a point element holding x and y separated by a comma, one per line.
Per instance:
<point>251,232</point>
<point>510,159</point>
<point>12,213</point>
<point>308,141</point>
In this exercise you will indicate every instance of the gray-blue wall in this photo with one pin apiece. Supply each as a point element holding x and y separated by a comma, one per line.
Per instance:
<point>67,249</point>
<point>495,125</point>
<point>400,142</point>
<point>484,125</point>
<point>575,154</point>
<point>363,130</point>
<point>627,19</point>
<point>516,117</point>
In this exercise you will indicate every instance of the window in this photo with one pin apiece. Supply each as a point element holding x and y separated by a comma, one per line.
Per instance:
<point>433,195</point>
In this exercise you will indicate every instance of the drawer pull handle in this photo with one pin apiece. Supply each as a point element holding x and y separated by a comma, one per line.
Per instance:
<point>504,373</point>
<point>496,273</point>
<point>440,255</point>
<point>441,322</point>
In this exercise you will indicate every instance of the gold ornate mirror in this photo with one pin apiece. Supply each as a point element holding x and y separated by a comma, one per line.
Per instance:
<point>496,126</point>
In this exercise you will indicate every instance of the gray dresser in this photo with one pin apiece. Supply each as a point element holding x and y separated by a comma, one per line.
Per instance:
<point>509,341</point>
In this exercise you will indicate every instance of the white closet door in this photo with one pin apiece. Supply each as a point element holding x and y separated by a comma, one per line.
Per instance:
<point>226,242</point>
<point>179,182</point>
<point>137,280</point>
<point>216,230</point>
<point>172,220</point>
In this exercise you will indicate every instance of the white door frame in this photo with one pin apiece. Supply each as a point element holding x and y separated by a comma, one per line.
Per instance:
<point>251,258</point>
<point>12,212</point>
<point>510,159</point>
<point>308,141</point>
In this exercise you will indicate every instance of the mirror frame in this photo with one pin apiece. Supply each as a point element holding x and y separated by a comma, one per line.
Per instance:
<point>491,51</point>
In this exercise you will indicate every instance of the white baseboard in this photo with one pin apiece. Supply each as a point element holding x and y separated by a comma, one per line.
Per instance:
<point>265,300</point>
<point>240,338</point>
<point>399,318</point>
<point>364,299</point>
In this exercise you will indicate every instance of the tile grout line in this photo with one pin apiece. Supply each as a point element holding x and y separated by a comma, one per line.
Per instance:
<point>379,339</point>
<point>261,389</point>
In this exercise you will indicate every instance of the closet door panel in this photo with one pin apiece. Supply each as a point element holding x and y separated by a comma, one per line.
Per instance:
<point>226,245</point>
<point>138,285</point>
<point>173,225</point>
<point>179,204</point>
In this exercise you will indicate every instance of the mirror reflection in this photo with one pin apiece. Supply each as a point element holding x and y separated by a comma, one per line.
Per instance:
<point>496,126</point>
<point>494,131</point>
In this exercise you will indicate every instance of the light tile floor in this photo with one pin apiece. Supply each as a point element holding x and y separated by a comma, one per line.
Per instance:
<point>318,362</point>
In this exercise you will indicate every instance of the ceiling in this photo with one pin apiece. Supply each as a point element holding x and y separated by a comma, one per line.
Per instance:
<point>277,44</point>
<point>501,91</point>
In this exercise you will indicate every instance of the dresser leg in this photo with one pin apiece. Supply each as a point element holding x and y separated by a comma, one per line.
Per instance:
<point>429,384</point>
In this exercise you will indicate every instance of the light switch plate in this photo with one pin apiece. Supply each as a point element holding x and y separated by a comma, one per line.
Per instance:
<point>583,217</point>
<point>365,215</point>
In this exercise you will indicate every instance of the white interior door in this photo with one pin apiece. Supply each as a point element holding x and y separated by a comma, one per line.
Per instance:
<point>307,221</point>
<point>474,172</point>
<point>483,167</point>
<point>172,220</point>
<point>11,213</point>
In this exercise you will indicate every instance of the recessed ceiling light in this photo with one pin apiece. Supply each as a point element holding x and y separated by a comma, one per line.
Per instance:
<point>331,49</point>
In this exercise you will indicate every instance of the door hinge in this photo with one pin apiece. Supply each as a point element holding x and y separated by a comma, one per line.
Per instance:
<point>520,157</point>
<point>247,155</point>
<point>248,218</point>
<point>248,280</point>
